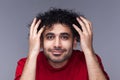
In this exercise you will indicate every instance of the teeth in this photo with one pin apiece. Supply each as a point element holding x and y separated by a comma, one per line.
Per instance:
<point>56,54</point>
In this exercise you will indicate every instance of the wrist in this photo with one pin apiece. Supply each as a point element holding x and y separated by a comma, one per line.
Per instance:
<point>89,52</point>
<point>33,55</point>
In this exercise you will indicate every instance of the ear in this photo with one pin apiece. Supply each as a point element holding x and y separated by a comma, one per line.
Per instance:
<point>74,43</point>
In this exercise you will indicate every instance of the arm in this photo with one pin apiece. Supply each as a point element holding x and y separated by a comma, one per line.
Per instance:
<point>94,69</point>
<point>29,70</point>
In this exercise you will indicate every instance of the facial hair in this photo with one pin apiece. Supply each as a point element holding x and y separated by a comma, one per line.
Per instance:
<point>66,54</point>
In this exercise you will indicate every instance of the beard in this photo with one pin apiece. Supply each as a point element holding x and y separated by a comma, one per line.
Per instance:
<point>57,54</point>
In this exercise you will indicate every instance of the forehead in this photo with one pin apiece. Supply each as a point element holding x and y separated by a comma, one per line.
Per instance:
<point>58,28</point>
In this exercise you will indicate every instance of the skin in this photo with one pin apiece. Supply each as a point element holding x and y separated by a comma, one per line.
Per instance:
<point>58,44</point>
<point>86,36</point>
<point>86,39</point>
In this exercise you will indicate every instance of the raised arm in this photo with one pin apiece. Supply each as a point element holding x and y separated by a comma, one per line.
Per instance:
<point>86,38</point>
<point>29,71</point>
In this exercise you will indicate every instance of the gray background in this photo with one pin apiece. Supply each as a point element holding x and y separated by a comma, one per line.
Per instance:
<point>15,15</point>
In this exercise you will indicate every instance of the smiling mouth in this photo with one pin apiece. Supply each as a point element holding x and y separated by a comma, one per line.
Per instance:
<point>57,52</point>
<point>57,55</point>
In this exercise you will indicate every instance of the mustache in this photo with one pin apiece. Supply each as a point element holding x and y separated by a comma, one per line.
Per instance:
<point>57,49</point>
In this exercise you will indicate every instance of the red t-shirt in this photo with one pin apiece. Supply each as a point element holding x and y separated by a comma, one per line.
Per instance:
<point>75,69</point>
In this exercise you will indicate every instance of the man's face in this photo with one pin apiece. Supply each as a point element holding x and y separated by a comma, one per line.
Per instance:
<point>58,43</point>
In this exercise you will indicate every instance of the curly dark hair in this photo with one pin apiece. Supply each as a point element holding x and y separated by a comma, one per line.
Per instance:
<point>62,16</point>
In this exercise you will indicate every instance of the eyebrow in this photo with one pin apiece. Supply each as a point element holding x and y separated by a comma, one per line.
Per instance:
<point>65,34</point>
<point>49,34</point>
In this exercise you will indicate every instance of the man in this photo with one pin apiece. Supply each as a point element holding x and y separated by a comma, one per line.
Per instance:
<point>57,32</point>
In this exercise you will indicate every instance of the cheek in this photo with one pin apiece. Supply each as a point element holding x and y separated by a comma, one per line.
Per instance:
<point>67,44</point>
<point>47,44</point>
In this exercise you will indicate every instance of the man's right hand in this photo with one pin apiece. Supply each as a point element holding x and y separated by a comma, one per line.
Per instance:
<point>34,38</point>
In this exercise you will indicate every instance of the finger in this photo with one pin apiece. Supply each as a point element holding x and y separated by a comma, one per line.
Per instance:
<point>39,36</point>
<point>77,29</point>
<point>32,26</point>
<point>36,27</point>
<point>87,24</point>
<point>40,32</point>
<point>82,23</point>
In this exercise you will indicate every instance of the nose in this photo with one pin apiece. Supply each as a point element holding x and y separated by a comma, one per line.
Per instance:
<point>57,42</point>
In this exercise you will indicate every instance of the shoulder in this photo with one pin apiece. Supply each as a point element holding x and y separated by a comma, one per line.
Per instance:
<point>23,60</point>
<point>78,54</point>
<point>81,54</point>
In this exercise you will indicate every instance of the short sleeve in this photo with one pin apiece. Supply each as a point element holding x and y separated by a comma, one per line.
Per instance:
<point>19,68</point>
<point>100,62</point>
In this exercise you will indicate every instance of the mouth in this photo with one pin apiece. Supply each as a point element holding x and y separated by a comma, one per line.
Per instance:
<point>57,52</point>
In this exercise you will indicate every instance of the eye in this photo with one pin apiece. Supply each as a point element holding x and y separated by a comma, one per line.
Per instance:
<point>50,37</point>
<point>64,37</point>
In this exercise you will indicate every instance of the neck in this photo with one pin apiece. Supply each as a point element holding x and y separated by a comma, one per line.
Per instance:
<point>58,65</point>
